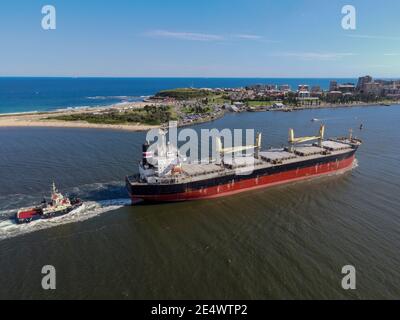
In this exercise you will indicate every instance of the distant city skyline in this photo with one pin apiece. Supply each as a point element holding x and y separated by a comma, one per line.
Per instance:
<point>220,38</point>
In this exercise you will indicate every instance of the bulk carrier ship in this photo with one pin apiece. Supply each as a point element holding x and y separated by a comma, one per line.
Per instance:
<point>166,176</point>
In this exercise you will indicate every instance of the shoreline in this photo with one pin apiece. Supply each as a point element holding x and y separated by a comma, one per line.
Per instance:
<point>337,106</point>
<point>76,125</point>
<point>35,118</point>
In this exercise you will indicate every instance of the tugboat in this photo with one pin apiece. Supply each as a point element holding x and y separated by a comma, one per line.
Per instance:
<point>58,206</point>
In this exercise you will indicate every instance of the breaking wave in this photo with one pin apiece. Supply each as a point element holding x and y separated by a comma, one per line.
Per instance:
<point>122,98</point>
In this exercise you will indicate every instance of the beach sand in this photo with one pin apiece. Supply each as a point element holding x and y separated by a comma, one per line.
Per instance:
<point>38,119</point>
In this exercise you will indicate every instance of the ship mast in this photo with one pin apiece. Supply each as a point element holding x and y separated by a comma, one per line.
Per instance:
<point>222,151</point>
<point>293,141</point>
<point>54,189</point>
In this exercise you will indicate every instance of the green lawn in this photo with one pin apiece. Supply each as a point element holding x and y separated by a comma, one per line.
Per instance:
<point>259,103</point>
<point>184,93</point>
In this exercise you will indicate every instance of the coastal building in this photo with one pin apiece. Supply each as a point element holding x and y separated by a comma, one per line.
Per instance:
<point>303,87</point>
<point>333,85</point>
<point>347,88</point>
<point>362,81</point>
<point>304,94</point>
<point>391,87</point>
<point>284,88</point>
<point>373,88</point>
<point>317,94</point>
<point>393,93</point>
<point>261,87</point>
<point>316,89</point>
<point>303,91</point>
<point>271,87</point>
<point>334,95</point>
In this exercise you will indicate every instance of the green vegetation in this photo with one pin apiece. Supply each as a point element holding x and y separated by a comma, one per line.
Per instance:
<point>148,115</point>
<point>291,99</point>
<point>217,98</point>
<point>184,94</point>
<point>258,103</point>
<point>197,109</point>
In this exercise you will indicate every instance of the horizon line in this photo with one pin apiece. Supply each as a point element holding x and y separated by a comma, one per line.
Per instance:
<point>193,77</point>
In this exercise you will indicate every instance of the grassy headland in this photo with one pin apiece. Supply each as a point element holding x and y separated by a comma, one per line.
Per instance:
<point>184,94</point>
<point>150,115</point>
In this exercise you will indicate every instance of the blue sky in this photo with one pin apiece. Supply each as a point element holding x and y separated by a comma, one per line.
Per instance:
<point>200,38</point>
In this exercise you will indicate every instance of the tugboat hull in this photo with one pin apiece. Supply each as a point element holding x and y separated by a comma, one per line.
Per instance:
<point>28,216</point>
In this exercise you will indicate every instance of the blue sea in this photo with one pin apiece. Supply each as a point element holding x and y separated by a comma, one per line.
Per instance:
<point>46,94</point>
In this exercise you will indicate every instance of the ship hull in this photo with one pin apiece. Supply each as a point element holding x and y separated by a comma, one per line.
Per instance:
<point>233,184</point>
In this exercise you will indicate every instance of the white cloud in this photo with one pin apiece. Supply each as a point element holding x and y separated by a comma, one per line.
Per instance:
<point>327,56</point>
<point>248,36</point>
<point>190,36</point>
<point>376,37</point>
<point>196,36</point>
<point>391,54</point>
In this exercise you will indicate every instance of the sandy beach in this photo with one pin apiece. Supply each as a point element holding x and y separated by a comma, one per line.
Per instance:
<point>38,119</point>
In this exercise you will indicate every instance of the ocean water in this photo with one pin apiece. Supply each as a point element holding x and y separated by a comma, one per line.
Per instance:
<point>45,94</point>
<point>286,242</point>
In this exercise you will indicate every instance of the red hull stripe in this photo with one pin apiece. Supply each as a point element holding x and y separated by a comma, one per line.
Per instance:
<point>252,184</point>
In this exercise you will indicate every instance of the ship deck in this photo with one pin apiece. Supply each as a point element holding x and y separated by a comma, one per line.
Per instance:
<point>270,158</point>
